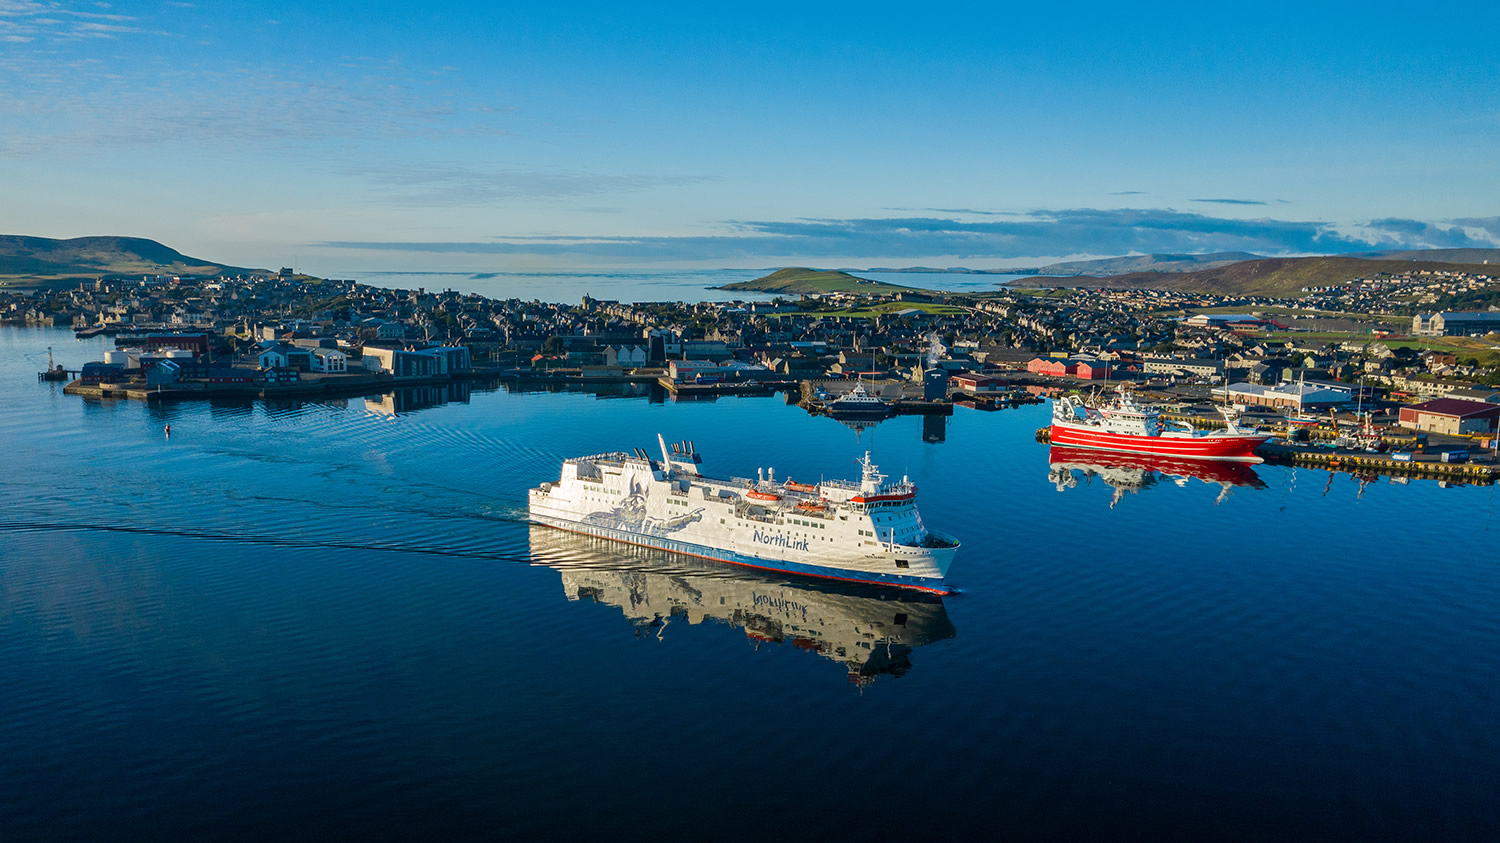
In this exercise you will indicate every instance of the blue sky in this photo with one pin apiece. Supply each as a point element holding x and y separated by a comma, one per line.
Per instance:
<point>491,136</point>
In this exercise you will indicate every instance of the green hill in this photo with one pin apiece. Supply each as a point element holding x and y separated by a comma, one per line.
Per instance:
<point>32,260</point>
<point>1145,263</point>
<point>800,279</point>
<point>1265,276</point>
<point>1444,255</point>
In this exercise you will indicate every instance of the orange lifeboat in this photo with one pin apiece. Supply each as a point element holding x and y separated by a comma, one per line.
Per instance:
<point>758,495</point>
<point>801,487</point>
<point>811,506</point>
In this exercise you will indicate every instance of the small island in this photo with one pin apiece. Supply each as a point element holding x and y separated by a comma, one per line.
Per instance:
<point>800,279</point>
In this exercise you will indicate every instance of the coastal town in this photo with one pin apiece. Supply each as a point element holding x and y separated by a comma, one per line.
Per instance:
<point>1372,355</point>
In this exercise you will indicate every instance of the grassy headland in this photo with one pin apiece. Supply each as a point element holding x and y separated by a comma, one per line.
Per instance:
<point>44,262</point>
<point>800,279</point>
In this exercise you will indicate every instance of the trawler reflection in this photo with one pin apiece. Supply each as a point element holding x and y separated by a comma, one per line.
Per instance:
<point>871,631</point>
<point>1130,473</point>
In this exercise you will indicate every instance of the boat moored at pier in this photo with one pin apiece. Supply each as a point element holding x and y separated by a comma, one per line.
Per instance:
<point>864,531</point>
<point>1127,426</point>
<point>858,404</point>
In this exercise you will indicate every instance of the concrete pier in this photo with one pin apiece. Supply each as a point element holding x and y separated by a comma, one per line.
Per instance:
<point>1357,462</point>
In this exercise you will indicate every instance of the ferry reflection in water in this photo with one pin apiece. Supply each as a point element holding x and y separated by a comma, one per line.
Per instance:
<point>869,629</point>
<point>1134,472</point>
<point>412,398</point>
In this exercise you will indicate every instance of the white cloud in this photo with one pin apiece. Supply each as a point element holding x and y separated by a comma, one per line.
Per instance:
<point>30,20</point>
<point>65,105</point>
<point>449,184</point>
<point>1041,233</point>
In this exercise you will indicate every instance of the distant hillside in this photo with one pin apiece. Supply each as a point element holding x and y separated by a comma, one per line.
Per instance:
<point>26,260</point>
<point>952,270</point>
<point>1144,263</point>
<point>1263,276</point>
<point>800,279</point>
<point>1445,255</point>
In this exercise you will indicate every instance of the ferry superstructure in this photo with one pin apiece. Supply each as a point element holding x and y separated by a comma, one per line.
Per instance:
<point>1127,426</point>
<point>865,531</point>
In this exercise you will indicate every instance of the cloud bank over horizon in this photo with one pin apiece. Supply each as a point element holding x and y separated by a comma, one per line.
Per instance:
<point>1037,234</point>
<point>558,135</point>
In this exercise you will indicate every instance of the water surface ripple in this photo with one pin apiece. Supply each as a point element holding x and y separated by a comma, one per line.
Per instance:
<point>326,619</point>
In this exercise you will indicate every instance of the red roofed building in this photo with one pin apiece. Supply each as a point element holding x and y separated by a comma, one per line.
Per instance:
<point>1453,416</point>
<point>979,384</point>
<point>1094,369</point>
<point>1052,366</point>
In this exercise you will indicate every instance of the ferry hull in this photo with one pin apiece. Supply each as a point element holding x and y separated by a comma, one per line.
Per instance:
<point>1231,447</point>
<point>866,532</point>
<point>928,584</point>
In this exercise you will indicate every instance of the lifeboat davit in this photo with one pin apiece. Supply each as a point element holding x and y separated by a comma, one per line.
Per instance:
<point>758,495</point>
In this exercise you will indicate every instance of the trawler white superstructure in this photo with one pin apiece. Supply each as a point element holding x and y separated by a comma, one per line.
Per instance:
<point>867,531</point>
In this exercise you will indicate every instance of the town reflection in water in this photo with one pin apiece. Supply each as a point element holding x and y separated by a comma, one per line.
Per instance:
<point>870,630</point>
<point>412,398</point>
<point>1130,473</point>
<point>934,427</point>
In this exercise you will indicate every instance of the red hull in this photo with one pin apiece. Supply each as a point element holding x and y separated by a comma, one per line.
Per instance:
<point>1237,448</point>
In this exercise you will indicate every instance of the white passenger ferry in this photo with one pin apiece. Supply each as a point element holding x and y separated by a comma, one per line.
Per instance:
<point>865,532</point>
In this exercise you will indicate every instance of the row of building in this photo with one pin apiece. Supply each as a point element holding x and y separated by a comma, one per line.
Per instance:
<point>1455,324</point>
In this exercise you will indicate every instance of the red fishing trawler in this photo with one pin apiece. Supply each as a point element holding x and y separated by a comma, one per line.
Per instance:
<point>1129,427</point>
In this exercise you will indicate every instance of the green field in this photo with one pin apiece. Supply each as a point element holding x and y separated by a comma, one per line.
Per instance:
<point>1269,311</point>
<point>1296,336</point>
<point>1486,353</point>
<point>1039,293</point>
<point>1455,344</point>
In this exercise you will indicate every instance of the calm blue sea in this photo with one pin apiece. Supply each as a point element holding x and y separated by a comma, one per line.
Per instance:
<point>316,620</point>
